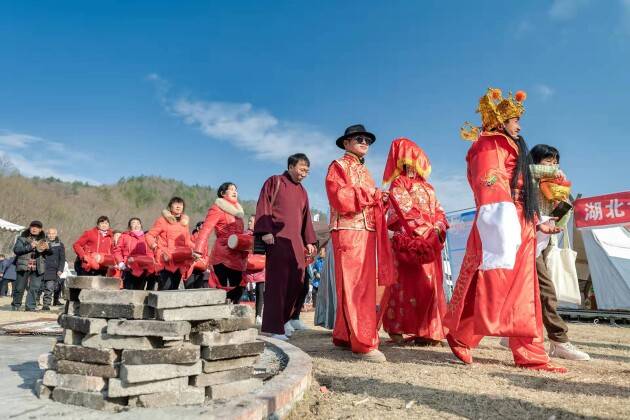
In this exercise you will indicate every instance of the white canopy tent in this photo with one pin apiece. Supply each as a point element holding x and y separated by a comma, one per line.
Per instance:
<point>608,256</point>
<point>7,226</point>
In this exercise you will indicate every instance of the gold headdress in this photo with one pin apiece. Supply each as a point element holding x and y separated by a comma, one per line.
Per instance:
<point>494,110</point>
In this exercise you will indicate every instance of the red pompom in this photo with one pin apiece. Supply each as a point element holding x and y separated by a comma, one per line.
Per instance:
<point>520,96</point>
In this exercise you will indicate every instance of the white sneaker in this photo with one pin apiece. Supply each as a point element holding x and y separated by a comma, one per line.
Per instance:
<point>280,337</point>
<point>505,342</point>
<point>288,329</point>
<point>258,320</point>
<point>298,325</point>
<point>567,351</point>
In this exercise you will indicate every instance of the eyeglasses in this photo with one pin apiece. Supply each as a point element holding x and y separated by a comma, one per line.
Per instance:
<point>362,140</point>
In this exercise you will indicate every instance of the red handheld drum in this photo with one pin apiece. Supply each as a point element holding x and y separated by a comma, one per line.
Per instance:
<point>103,260</point>
<point>255,262</point>
<point>241,242</point>
<point>141,263</point>
<point>181,254</point>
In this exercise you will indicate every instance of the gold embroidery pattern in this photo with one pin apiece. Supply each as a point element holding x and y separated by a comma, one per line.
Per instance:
<point>469,266</point>
<point>358,175</point>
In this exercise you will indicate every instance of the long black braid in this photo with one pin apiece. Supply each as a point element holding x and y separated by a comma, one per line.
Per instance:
<point>529,196</point>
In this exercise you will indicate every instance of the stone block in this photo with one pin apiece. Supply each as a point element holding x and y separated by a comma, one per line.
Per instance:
<point>157,372</point>
<point>194,313</point>
<point>216,378</point>
<point>231,351</point>
<point>71,308</point>
<point>173,343</point>
<point>44,392</point>
<point>150,328</point>
<point>188,396</point>
<point>118,342</point>
<point>47,361</point>
<point>241,317</point>
<point>210,366</point>
<point>89,369</point>
<point>216,338</point>
<point>72,337</point>
<point>85,354</point>
<point>169,299</point>
<point>74,382</point>
<point>82,325</point>
<point>105,310</point>
<point>92,282</point>
<point>115,297</point>
<point>233,389</point>
<point>93,400</point>
<point>183,354</point>
<point>119,388</point>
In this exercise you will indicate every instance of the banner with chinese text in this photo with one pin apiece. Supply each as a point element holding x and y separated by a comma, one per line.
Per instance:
<point>602,210</point>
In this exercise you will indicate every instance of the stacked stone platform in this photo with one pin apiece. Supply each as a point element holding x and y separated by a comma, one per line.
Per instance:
<point>129,348</point>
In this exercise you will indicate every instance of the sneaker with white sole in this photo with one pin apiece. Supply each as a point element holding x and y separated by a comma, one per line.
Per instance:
<point>280,337</point>
<point>567,351</point>
<point>258,320</point>
<point>298,325</point>
<point>288,329</point>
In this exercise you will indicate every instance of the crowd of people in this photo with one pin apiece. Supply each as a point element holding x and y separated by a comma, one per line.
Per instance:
<point>382,266</point>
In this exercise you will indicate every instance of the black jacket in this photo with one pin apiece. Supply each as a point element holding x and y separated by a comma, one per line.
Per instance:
<point>55,259</point>
<point>24,251</point>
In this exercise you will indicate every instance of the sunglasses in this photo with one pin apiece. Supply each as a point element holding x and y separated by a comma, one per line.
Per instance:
<point>362,140</point>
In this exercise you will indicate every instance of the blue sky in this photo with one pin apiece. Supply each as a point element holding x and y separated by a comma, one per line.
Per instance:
<point>212,91</point>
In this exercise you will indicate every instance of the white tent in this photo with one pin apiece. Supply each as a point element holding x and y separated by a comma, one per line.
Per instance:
<point>10,227</point>
<point>608,255</point>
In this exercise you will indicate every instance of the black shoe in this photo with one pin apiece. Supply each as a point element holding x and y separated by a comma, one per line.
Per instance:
<point>31,310</point>
<point>15,308</point>
<point>45,308</point>
<point>57,303</point>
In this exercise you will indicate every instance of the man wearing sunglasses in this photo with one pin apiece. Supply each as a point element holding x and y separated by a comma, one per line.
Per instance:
<point>359,234</point>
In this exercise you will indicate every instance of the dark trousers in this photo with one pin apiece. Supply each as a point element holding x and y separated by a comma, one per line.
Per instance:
<point>168,280</point>
<point>197,280</point>
<point>554,324</point>
<point>4,287</point>
<point>58,290</point>
<point>300,303</point>
<point>230,278</point>
<point>131,282</point>
<point>260,297</point>
<point>30,280</point>
<point>48,290</point>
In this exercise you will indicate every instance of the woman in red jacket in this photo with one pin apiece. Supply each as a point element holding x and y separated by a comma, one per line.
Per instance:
<point>225,217</point>
<point>170,238</point>
<point>94,249</point>
<point>134,257</point>
<point>198,279</point>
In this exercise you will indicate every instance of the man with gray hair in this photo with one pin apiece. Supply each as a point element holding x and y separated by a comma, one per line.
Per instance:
<point>55,262</point>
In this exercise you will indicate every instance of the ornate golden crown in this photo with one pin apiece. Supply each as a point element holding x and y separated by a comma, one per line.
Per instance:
<point>494,110</point>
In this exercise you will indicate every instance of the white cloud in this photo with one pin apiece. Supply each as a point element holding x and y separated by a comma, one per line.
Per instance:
<point>36,156</point>
<point>245,127</point>
<point>625,16</point>
<point>545,92</point>
<point>566,9</point>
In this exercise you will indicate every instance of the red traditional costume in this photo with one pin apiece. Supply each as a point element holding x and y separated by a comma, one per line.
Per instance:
<point>416,304</point>
<point>359,234</point>
<point>497,290</point>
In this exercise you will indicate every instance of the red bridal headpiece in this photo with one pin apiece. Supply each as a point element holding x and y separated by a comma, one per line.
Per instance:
<point>404,152</point>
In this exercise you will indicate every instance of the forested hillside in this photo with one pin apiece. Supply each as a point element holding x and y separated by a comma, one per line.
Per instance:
<point>74,207</point>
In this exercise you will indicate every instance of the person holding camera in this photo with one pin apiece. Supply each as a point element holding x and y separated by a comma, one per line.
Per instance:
<point>30,248</point>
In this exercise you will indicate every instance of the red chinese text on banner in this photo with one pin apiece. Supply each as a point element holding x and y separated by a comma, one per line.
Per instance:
<point>603,210</point>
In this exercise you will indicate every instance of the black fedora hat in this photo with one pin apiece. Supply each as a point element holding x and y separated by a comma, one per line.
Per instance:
<point>355,130</point>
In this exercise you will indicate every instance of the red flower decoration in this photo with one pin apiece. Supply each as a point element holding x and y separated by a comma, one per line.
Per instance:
<point>520,96</point>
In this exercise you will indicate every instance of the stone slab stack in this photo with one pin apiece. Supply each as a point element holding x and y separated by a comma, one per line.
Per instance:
<point>149,349</point>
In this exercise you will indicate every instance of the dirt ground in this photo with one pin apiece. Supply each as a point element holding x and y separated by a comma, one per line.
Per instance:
<point>420,382</point>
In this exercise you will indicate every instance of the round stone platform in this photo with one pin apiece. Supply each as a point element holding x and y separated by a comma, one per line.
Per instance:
<point>292,368</point>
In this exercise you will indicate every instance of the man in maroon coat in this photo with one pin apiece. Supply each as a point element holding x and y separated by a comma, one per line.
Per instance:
<point>283,221</point>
